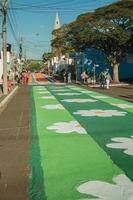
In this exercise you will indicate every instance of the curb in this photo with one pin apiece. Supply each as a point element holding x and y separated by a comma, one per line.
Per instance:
<point>111,85</point>
<point>6,100</point>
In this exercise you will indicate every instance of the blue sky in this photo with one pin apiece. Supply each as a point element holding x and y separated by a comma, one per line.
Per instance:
<point>34,21</point>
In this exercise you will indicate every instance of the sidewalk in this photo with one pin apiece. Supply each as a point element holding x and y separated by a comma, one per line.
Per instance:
<point>14,147</point>
<point>0,93</point>
<point>122,91</point>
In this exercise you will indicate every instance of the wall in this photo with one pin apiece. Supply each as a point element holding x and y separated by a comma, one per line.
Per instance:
<point>96,57</point>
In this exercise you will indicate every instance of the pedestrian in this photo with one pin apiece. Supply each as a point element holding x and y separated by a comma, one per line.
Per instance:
<point>108,79</point>
<point>102,79</point>
<point>65,75</point>
<point>1,83</point>
<point>17,77</point>
<point>69,77</point>
<point>25,77</point>
<point>9,85</point>
<point>84,77</point>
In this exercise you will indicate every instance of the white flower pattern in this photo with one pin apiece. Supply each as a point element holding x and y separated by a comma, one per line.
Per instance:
<point>122,105</point>
<point>100,97</point>
<point>68,94</point>
<point>41,89</point>
<point>56,87</point>
<point>99,113</point>
<point>53,107</point>
<point>67,127</point>
<point>61,90</point>
<point>122,189</point>
<point>44,92</point>
<point>79,100</point>
<point>47,97</point>
<point>122,143</point>
<point>86,92</point>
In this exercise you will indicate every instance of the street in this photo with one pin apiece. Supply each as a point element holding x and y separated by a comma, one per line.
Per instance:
<point>57,142</point>
<point>79,136</point>
<point>66,100</point>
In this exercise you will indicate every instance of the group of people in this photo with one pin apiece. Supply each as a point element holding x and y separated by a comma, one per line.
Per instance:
<point>66,76</point>
<point>14,77</point>
<point>104,78</point>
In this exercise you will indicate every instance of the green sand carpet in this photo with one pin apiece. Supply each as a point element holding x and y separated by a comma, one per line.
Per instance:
<point>82,146</point>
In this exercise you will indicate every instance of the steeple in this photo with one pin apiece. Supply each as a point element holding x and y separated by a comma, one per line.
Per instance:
<point>57,22</point>
<point>54,35</point>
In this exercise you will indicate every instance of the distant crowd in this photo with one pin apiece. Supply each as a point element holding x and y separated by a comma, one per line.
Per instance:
<point>103,79</point>
<point>15,77</point>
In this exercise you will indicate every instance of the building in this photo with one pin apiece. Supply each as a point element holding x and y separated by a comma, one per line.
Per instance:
<point>8,59</point>
<point>55,51</point>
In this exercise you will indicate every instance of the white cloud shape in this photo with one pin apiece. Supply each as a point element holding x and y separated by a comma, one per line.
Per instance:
<point>67,127</point>
<point>122,143</point>
<point>68,94</point>
<point>122,189</point>
<point>79,100</point>
<point>47,97</point>
<point>99,113</point>
<point>122,105</point>
<point>100,97</point>
<point>53,106</point>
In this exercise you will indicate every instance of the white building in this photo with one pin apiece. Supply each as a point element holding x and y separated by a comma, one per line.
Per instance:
<point>1,61</point>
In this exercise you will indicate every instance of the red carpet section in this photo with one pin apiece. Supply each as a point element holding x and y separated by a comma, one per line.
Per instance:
<point>40,77</point>
<point>37,78</point>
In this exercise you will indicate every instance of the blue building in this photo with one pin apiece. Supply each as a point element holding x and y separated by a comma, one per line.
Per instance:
<point>93,59</point>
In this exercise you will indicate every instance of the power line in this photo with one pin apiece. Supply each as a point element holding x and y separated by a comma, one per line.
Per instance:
<point>65,5</point>
<point>13,14</point>
<point>12,30</point>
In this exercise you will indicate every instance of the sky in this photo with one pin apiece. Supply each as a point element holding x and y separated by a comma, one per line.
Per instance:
<point>33,21</point>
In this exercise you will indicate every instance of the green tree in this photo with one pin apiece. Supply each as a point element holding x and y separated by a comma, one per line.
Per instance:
<point>62,40</point>
<point>47,56</point>
<point>108,29</point>
<point>34,65</point>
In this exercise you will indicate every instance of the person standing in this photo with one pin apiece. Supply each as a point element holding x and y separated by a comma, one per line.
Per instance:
<point>84,76</point>
<point>69,77</point>
<point>65,75</point>
<point>108,80</point>
<point>102,79</point>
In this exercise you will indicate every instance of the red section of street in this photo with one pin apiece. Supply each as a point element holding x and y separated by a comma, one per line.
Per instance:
<point>30,79</point>
<point>40,77</point>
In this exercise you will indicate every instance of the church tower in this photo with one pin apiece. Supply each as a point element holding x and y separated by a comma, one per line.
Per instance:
<point>56,27</point>
<point>57,22</point>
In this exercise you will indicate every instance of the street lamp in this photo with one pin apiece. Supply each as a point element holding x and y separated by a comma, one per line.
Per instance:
<point>94,73</point>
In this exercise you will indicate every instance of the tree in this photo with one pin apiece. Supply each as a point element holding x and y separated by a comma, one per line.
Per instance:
<point>34,65</point>
<point>62,43</point>
<point>108,29</point>
<point>47,56</point>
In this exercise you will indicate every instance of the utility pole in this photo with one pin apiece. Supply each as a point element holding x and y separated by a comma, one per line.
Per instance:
<point>20,48</point>
<point>4,46</point>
